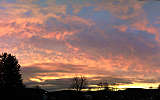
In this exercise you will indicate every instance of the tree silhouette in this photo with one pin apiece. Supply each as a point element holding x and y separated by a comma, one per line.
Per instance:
<point>10,76</point>
<point>158,86</point>
<point>104,85</point>
<point>37,87</point>
<point>79,83</point>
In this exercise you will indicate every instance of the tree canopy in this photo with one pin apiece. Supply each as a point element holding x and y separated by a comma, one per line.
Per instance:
<point>10,76</point>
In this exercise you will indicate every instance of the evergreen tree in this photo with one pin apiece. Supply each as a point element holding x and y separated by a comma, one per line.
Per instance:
<point>10,76</point>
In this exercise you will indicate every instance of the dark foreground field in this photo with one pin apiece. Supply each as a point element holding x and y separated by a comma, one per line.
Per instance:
<point>22,94</point>
<point>129,94</point>
<point>39,94</point>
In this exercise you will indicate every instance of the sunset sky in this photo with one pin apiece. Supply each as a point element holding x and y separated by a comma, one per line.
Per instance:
<point>105,40</point>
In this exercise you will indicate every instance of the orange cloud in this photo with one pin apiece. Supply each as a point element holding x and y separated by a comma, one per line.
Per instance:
<point>121,28</point>
<point>145,26</point>
<point>78,20</point>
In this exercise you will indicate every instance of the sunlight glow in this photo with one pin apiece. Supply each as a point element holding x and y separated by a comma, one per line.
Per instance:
<point>43,78</point>
<point>36,80</point>
<point>138,85</point>
<point>125,86</point>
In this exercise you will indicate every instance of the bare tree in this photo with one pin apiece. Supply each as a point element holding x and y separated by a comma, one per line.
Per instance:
<point>79,83</point>
<point>104,85</point>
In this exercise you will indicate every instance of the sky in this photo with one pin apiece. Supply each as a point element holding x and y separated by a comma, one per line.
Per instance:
<point>117,41</point>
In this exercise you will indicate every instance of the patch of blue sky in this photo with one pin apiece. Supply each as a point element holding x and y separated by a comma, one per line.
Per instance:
<point>42,3</point>
<point>49,23</point>
<point>86,12</point>
<point>101,18</point>
<point>73,1</point>
<point>3,8</point>
<point>11,1</point>
<point>69,9</point>
<point>157,24</point>
<point>116,2</point>
<point>61,2</point>
<point>28,14</point>
<point>140,33</point>
<point>70,3</point>
<point>52,22</point>
<point>152,11</point>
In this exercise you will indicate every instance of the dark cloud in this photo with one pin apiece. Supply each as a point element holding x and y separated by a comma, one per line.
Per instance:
<point>51,69</point>
<point>53,84</point>
<point>111,80</point>
<point>148,80</point>
<point>34,69</point>
<point>29,72</point>
<point>41,67</point>
<point>51,44</point>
